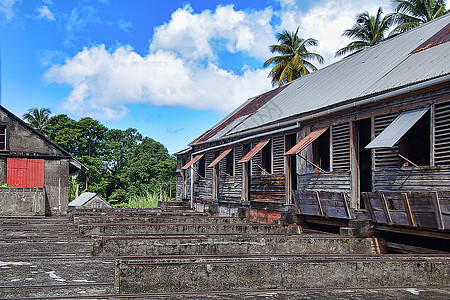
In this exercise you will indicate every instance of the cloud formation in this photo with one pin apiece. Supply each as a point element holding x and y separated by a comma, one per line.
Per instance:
<point>182,67</point>
<point>6,9</point>
<point>104,82</point>
<point>45,13</point>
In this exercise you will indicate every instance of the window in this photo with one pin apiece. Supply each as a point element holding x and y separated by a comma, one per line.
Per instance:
<point>266,154</point>
<point>415,144</point>
<point>202,167</point>
<point>229,163</point>
<point>321,151</point>
<point>2,137</point>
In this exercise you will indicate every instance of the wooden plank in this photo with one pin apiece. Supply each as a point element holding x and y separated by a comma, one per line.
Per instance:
<point>437,210</point>
<point>411,221</point>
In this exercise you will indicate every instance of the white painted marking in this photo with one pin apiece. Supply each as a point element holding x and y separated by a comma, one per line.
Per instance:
<point>413,291</point>
<point>54,276</point>
<point>14,263</point>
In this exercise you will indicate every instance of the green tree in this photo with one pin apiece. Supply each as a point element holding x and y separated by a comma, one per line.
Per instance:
<point>294,58</point>
<point>38,118</point>
<point>366,32</point>
<point>411,13</point>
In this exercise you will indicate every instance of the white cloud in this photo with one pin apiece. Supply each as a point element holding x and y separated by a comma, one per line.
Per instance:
<point>124,25</point>
<point>182,67</point>
<point>6,8</point>
<point>191,35</point>
<point>45,13</point>
<point>104,82</point>
<point>326,20</point>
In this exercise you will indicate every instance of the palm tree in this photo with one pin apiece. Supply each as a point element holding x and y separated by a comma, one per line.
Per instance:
<point>411,13</point>
<point>368,31</point>
<point>292,63</point>
<point>38,118</point>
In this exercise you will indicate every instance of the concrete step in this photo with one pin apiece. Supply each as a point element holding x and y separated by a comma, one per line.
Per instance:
<point>279,272</point>
<point>154,219</point>
<point>39,246</point>
<point>231,245</point>
<point>137,213</point>
<point>89,230</point>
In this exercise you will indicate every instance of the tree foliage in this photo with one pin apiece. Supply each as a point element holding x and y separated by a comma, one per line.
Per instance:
<point>411,13</point>
<point>38,118</point>
<point>121,163</point>
<point>366,32</point>
<point>294,58</point>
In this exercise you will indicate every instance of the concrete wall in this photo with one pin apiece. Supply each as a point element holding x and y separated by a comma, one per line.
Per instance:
<point>57,186</point>
<point>22,202</point>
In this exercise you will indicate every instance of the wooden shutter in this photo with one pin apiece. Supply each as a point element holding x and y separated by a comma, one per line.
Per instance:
<point>442,134</point>
<point>341,146</point>
<point>278,154</point>
<point>237,157</point>
<point>385,158</point>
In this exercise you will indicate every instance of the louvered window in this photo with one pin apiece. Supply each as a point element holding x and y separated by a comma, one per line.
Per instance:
<point>341,147</point>
<point>237,157</point>
<point>256,161</point>
<point>2,137</point>
<point>278,154</point>
<point>442,134</point>
<point>385,158</point>
<point>209,157</point>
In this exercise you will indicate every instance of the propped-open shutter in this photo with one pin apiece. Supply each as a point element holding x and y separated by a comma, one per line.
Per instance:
<point>278,154</point>
<point>385,158</point>
<point>442,134</point>
<point>341,146</point>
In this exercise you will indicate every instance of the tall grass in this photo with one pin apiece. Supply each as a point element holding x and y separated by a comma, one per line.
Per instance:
<point>147,200</point>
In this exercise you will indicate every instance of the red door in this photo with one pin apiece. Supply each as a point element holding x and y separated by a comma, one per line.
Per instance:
<point>25,173</point>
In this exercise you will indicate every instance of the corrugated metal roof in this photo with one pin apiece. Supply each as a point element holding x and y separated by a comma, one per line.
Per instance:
<point>220,157</point>
<point>82,199</point>
<point>306,141</point>
<point>388,137</point>
<point>255,150</point>
<point>384,67</point>
<point>191,162</point>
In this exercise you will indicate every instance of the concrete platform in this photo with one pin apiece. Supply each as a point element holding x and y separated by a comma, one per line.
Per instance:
<point>89,230</point>
<point>234,244</point>
<point>278,272</point>
<point>79,220</point>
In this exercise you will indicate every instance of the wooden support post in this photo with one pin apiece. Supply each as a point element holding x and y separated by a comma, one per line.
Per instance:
<point>245,183</point>
<point>215,182</point>
<point>437,210</point>
<point>411,221</point>
<point>369,207</point>
<point>288,185</point>
<point>319,205</point>
<point>354,167</point>
<point>347,209</point>
<point>385,208</point>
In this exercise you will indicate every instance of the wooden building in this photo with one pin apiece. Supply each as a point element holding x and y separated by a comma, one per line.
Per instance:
<point>370,132</point>
<point>29,160</point>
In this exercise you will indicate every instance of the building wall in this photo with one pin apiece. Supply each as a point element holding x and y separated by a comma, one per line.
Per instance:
<point>57,186</point>
<point>22,202</point>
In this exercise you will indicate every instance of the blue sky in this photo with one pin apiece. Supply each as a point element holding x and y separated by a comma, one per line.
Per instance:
<point>171,69</point>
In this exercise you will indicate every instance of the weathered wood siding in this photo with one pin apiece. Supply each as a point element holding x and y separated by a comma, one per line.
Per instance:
<point>335,181</point>
<point>268,188</point>
<point>413,179</point>
<point>230,188</point>
<point>203,189</point>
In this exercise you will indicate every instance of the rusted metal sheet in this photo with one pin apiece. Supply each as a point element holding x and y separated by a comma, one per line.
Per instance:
<point>220,157</point>
<point>247,109</point>
<point>264,216</point>
<point>25,173</point>
<point>191,162</point>
<point>307,140</point>
<point>442,36</point>
<point>255,150</point>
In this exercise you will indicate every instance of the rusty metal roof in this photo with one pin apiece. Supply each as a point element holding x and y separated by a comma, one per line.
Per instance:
<point>255,150</point>
<point>220,157</point>
<point>387,66</point>
<point>191,162</point>
<point>306,141</point>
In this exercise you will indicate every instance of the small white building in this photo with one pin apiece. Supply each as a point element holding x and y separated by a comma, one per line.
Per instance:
<point>89,200</point>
